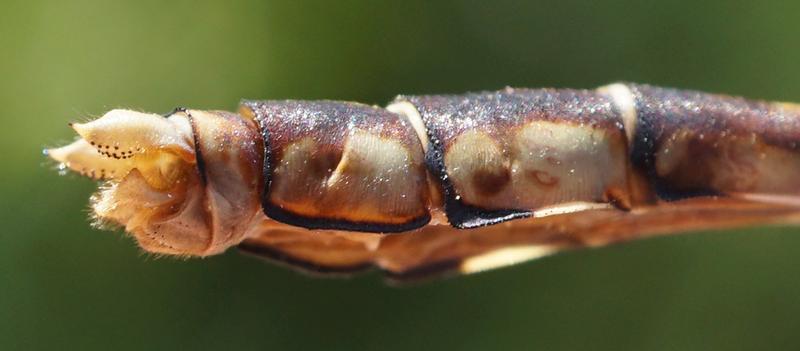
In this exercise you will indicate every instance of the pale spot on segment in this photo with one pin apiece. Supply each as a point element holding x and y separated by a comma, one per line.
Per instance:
<point>504,257</point>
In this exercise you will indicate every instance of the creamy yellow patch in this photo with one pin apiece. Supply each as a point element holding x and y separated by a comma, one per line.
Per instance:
<point>504,257</point>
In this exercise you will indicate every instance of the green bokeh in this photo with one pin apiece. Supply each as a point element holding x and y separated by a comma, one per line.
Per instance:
<point>65,285</point>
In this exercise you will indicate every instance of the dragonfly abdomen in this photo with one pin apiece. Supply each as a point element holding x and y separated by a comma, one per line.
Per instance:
<point>619,162</point>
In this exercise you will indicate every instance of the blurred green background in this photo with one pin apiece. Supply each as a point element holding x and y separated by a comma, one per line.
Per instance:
<point>64,285</point>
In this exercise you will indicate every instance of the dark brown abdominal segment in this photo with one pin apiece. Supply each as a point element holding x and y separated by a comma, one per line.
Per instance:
<point>689,143</point>
<point>340,165</point>
<point>502,155</point>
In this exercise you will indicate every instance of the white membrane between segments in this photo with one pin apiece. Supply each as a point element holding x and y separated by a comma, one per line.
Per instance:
<point>625,102</point>
<point>406,109</point>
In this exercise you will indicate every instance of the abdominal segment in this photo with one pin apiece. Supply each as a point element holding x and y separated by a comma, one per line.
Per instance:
<point>341,165</point>
<point>691,143</point>
<point>502,155</point>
